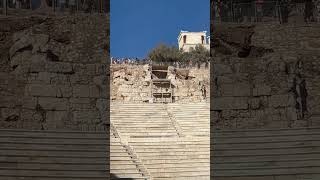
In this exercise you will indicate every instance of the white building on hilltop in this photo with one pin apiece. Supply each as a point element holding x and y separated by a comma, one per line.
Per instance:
<point>187,40</point>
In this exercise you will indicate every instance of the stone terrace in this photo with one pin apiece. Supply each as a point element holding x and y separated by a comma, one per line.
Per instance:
<point>159,138</point>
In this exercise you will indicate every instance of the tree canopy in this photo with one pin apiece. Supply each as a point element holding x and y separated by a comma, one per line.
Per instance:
<point>171,54</point>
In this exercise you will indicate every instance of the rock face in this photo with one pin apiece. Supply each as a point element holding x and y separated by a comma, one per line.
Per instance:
<point>53,73</point>
<point>274,89</point>
<point>132,83</point>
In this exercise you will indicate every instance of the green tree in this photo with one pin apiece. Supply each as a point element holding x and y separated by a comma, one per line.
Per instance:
<point>197,55</point>
<point>170,54</point>
<point>165,54</point>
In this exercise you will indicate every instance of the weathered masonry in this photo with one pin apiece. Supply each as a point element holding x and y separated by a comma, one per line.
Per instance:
<point>265,109</point>
<point>52,74</point>
<point>53,97</point>
<point>161,86</point>
<point>266,76</point>
<point>154,83</point>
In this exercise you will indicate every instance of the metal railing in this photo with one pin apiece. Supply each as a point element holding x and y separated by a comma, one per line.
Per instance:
<point>189,64</point>
<point>269,11</point>
<point>56,6</point>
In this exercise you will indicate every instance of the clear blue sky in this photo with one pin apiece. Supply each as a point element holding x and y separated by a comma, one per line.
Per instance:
<point>137,26</point>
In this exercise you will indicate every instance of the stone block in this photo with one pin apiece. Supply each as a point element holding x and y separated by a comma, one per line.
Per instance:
<point>85,69</point>
<point>4,78</point>
<point>8,101</point>
<point>37,63</point>
<point>220,69</point>
<point>101,104</point>
<point>255,103</point>
<point>39,42</point>
<point>241,89</point>
<point>315,120</point>
<point>45,77</point>
<point>59,67</point>
<point>82,103</point>
<point>20,58</point>
<point>50,103</point>
<point>225,103</point>
<point>279,101</point>
<point>60,79</point>
<point>28,102</point>
<point>56,119</point>
<point>85,116</point>
<point>80,79</point>
<point>224,80</point>
<point>261,90</point>
<point>81,91</point>
<point>10,114</point>
<point>100,80</point>
<point>22,43</point>
<point>226,89</point>
<point>90,69</point>
<point>64,91</point>
<point>102,69</point>
<point>41,90</point>
<point>95,91</point>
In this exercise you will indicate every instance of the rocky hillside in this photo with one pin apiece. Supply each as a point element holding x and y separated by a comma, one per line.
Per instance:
<point>132,83</point>
<point>52,68</point>
<point>265,76</point>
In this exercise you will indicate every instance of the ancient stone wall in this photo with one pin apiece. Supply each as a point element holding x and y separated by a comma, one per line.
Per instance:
<point>53,73</point>
<point>132,83</point>
<point>276,85</point>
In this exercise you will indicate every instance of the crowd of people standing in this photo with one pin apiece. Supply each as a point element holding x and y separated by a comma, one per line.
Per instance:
<point>237,10</point>
<point>60,5</point>
<point>128,61</point>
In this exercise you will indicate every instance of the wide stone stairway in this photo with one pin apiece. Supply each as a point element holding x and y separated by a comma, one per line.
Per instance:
<point>157,143</point>
<point>266,154</point>
<point>141,120</point>
<point>187,114</point>
<point>53,155</point>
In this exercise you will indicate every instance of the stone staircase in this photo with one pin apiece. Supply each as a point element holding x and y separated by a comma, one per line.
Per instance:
<point>174,158</point>
<point>193,118</point>
<point>157,139</point>
<point>141,120</point>
<point>276,154</point>
<point>53,155</point>
<point>124,164</point>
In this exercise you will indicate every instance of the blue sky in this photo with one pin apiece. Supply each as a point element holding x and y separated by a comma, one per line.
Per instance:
<point>137,26</point>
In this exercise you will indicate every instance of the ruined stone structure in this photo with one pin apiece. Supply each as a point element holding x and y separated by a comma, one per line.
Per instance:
<point>132,83</point>
<point>188,40</point>
<point>265,76</point>
<point>53,97</point>
<point>265,109</point>
<point>53,72</point>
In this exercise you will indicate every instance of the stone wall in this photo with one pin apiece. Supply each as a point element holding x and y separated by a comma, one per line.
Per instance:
<point>53,73</point>
<point>132,83</point>
<point>276,86</point>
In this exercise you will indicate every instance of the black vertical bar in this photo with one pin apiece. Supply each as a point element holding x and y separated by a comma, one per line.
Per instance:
<point>5,5</point>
